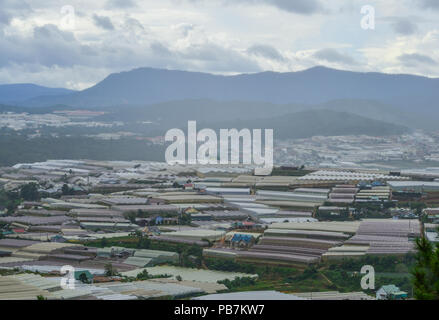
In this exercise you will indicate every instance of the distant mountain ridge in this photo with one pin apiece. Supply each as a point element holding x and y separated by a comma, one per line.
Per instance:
<point>144,86</point>
<point>18,93</point>
<point>174,112</point>
<point>319,122</point>
<point>288,121</point>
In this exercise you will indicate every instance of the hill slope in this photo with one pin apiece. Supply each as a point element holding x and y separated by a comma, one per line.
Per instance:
<point>306,124</point>
<point>175,112</point>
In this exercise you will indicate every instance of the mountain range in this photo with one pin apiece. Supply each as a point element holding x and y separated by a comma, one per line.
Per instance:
<point>170,97</point>
<point>146,86</point>
<point>20,93</point>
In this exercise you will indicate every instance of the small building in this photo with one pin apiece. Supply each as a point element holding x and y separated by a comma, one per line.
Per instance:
<point>390,292</point>
<point>188,186</point>
<point>58,238</point>
<point>79,275</point>
<point>19,230</point>
<point>242,240</point>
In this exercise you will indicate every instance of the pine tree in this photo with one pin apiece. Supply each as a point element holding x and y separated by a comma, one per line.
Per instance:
<point>426,271</point>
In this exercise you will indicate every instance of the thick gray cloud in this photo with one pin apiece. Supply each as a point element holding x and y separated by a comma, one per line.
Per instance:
<point>160,50</point>
<point>429,4</point>
<point>297,6</point>
<point>5,17</point>
<point>133,24</point>
<point>211,56</point>
<point>48,46</point>
<point>120,4</point>
<point>185,28</point>
<point>306,7</point>
<point>266,51</point>
<point>218,36</point>
<point>51,32</point>
<point>415,59</point>
<point>333,56</point>
<point>12,8</point>
<point>404,26</point>
<point>103,22</point>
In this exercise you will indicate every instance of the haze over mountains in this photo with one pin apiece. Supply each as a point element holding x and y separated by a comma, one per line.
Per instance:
<point>21,92</point>
<point>171,97</point>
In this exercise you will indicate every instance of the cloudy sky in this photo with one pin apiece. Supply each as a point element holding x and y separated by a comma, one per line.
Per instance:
<point>75,44</point>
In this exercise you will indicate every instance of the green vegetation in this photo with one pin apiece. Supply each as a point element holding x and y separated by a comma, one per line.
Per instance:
<point>110,271</point>
<point>386,264</point>
<point>238,282</point>
<point>345,281</point>
<point>343,215</point>
<point>190,255</point>
<point>284,279</point>
<point>8,272</point>
<point>104,242</point>
<point>185,219</point>
<point>126,242</point>
<point>426,271</point>
<point>143,275</point>
<point>343,276</point>
<point>17,148</point>
<point>261,270</point>
<point>66,191</point>
<point>143,242</point>
<point>29,192</point>
<point>373,210</point>
<point>277,171</point>
<point>9,200</point>
<point>83,278</point>
<point>416,206</point>
<point>131,216</point>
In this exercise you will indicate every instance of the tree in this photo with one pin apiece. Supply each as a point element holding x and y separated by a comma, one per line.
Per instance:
<point>176,185</point>
<point>65,189</point>
<point>238,282</point>
<point>143,242</point>
<point>83,278</point>
<point>191,256</point>
<point>143,275</point>
<point>426,271</point>
<point>29,192</point>
<point>9,200</point>
<point>104,242</point>
<point>131,216</point>
<point>185,219</point>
